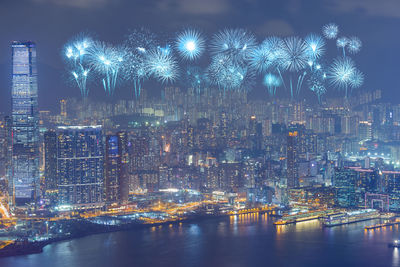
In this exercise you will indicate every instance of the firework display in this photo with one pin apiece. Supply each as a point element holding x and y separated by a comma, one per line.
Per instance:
<point>317,81</point>
<point>330,31</point>
<point>162,66</point>
<point>138,43</point>
<point>190,44</point>
<point>237,44</point>
<point>225,73</point>
<point>76,55</point>
<point>315,46</point>
<point>195,77</point>
<point>235,60</point>
<point>343,74</point>
<point>342,43</point>
<point>354,45</point>
<point>106,61</point>
<point>272,81</point>
<point>267,55</point>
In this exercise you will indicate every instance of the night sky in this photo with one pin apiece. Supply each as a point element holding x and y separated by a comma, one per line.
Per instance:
<point>50,23</point>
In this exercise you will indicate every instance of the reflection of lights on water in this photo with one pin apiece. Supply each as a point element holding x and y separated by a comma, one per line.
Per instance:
<point>298,226</point>
<point>307,225</point>
<point>222,227</point>
<point>369,233</point>
<point>244,223</point>
<point>279,229</point>
<point>395,256</point>
<point>247,218</point>
<point>235,228</point>
<point>194,229</point>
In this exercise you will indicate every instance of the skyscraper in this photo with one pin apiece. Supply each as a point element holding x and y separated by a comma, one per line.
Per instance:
<point>7,146</point>
<point>117,168</point>
<point>63,108</point>
<point>80,160</point>
<point>113,168</point>
<point>292,173</point>
<point>50,160</point>
<point>345,183</point>
<point>24,184</point>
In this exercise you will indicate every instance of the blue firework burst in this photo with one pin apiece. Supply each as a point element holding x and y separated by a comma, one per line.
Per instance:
<point>315,46</point>
<point>342,42</point>
<point>138,43</point>
<point>141,40</point>
<point>266,55</point>
<point>235,43</point>
<point>166,49</point>
<point>190,44</point>
<point>293,54</point>
<point>107,61</point>
<point>272,81</point>
<point>135,70</point>
<point>162,66</point>
<point>317,82</point>
<point>341,72</point>
<point>229,75</point>
<point>330,30</point>
<point>356,79</point>
<point>76,55</point>
<point>196,78</point>
<point>354,45</point>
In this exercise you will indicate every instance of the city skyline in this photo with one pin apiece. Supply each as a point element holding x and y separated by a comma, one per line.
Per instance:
<point>199,133</point>
<point>282,23</point>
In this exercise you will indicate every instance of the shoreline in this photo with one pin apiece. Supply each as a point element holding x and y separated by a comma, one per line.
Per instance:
<point>83,228</point>
<point>86,228</point>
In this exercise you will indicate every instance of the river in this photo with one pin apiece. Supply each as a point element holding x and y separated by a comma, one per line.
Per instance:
<point>245,240</point>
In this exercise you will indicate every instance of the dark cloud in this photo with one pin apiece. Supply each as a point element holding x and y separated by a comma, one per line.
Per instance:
<point>76,3</point>
<point>275,27</point>
<point>195,7</point>
<point>385,8</point>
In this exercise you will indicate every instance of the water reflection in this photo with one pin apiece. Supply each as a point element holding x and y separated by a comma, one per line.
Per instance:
<point>194,229</point>
<point>395,257</point>
<point>242,240</point>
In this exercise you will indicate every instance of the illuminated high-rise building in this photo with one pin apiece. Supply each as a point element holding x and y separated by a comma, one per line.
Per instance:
<point>63,108</point>
<point>117,179</point>
<point>113,168</point>
<point>6,129</point>
<point>24,182</point>
<point>255,134</point>
<point>365,130</point>
<point>346,185</point>
<point>223,128</point>
<point>50,160</point>
<point>80,167</point>
<point>164,175</point>
<point>291,152</point>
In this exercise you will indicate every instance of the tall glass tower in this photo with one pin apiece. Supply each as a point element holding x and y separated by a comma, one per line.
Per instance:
<point>24,184</point>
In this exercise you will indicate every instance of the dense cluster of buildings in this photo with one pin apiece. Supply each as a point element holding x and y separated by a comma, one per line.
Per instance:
<point>99,154</point>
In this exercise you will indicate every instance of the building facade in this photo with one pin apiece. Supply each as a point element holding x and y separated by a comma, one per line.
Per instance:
<point>50,161</point>
<point>80,169</point>
<point>117,159</point>
<point>24,182</point>
<point>292,171</point>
